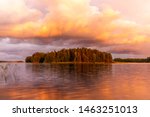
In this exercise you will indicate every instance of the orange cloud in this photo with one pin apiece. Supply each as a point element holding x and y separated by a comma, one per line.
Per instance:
<point>72,18</point>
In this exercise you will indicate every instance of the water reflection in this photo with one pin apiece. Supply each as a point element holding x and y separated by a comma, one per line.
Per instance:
<point>77,81</point>
<point>69,77</point>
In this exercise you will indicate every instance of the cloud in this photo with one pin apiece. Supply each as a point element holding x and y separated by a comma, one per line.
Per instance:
<point>57,24</point>
<point>124,51</point>
<point>135,10</point>
<point>16,12</point>
<point>74,18</point>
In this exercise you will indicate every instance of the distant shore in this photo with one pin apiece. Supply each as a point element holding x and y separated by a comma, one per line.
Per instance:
<point>132,60</point>
<point>11,61</point>
<point>128,62</point>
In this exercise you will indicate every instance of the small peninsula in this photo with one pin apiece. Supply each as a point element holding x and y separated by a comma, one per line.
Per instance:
<point>76,55</point>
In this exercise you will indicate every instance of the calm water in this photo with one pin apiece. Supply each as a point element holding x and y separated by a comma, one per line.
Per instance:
<point>81,81</point>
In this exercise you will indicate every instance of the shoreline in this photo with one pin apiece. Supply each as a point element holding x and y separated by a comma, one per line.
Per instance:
<point>76,62</point>
<point>72,63</point>
<point>128,62</point>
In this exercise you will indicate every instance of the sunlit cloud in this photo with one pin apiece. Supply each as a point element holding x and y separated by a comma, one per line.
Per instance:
<point>80,23</point>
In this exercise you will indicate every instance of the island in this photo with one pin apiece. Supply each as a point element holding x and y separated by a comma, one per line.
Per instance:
<point>75,55</point>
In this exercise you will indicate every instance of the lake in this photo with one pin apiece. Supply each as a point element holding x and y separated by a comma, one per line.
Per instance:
<point>74,81</point>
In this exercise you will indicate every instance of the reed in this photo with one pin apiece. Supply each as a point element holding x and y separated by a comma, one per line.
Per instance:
<point>7,71</point>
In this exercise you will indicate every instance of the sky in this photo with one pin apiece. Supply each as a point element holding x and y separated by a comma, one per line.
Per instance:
<point>121,27</point>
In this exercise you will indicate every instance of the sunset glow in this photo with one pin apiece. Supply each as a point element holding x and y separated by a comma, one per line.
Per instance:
<point>116,26</point>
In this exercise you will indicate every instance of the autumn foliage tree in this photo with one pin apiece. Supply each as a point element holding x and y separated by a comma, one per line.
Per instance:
<point>76,55</point>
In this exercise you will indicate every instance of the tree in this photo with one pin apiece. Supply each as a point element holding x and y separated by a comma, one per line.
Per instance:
<point>38,57</point>
<point>71,55</point>
<point>28,59</point>
<point>148,59</point>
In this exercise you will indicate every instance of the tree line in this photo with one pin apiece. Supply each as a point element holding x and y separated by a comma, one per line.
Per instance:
<point>70,55</point>
<point>139,60</point>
